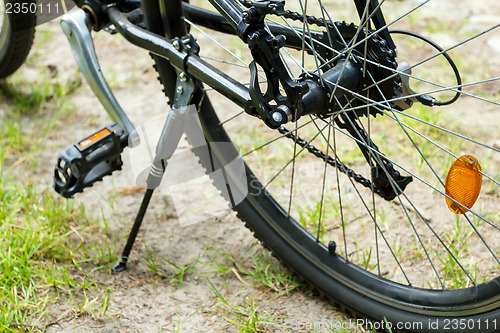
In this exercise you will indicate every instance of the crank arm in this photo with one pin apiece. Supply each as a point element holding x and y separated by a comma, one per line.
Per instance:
<point>74,25</point>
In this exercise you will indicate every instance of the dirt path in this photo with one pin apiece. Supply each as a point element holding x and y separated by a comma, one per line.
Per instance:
<point>142,301</point>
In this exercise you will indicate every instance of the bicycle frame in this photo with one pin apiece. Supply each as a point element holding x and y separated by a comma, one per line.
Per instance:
<point>183,74</point>
<point>308,95</point>
<point>178,57</point>
<point>190,63</point>
<point>293,97</point>
<point>75,25</point>
<point>285,100</point>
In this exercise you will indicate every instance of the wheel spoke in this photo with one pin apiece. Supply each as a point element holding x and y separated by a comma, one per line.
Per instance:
<point>372,187</point>
<point>309,196</point>
<point>216,42</point>
<point>376,153</point>
<point>293,158</point>
<point>324,14</point>
<point>323,183</point>
<point>442,52</point>
<point>372,216</point>
<point>368,36</point>
<point>395,187</point>
<point>482,239</point>
<point>375,104</point>
<point>438,145</point>
<point>275,139</point>
<point>435,173</point>
<point>399,191</point>
<point>458,135</point>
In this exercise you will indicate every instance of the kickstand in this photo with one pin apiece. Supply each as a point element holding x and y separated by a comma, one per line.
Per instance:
<point>167,144</point>
<point>122,263</point>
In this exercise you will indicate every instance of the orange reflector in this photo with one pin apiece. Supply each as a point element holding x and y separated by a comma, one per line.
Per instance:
<point>463,183</point>
<point>93,138</point>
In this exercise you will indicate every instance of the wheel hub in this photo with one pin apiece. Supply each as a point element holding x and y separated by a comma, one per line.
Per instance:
<point>375,59</point>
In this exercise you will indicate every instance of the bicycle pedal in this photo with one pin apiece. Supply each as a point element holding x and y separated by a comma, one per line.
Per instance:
<point>89,160</point>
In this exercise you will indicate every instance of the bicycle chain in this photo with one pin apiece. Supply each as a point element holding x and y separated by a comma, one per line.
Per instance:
<point>330,160</point>
<point>379,53</point>
<point>295,16</point>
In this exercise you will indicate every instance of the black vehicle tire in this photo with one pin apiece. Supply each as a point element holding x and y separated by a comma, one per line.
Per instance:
<point>16,38</point>
<point>348,286</point>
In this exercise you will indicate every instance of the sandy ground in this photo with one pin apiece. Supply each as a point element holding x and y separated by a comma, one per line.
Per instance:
<point>141,301</point>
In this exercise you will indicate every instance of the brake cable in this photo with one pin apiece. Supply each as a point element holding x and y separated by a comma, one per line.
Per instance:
<point>426,99</point>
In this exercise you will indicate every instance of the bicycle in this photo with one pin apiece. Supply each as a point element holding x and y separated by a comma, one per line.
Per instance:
<point>333,97</point>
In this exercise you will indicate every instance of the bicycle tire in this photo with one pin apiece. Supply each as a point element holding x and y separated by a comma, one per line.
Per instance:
<point>16,39</point>
<point>351,288</point>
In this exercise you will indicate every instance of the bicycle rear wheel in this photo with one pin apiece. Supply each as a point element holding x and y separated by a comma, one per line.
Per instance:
<point>407,260</point>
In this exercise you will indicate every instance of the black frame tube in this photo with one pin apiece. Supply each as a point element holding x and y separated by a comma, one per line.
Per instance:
<point>190,63</point>
<point>233,13</point>
<point>313,101</point>
<point>218,22</point>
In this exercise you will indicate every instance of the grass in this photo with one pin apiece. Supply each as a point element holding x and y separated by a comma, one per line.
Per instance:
<point>180,271</point>
<point>330,211</point>
<point>259,269</point>
<point>32,111</point>
<point>44,260</point>
<point>247,317</point>
<point>177,328</point>
<point>363,256</point>
<point>457,240</point>
<point>32,97</point>
<point>258,274</point>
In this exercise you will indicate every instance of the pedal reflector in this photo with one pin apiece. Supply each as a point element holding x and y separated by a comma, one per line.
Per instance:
<point>89,160</point>
<point>93,138</point>
<point>463,184</point>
